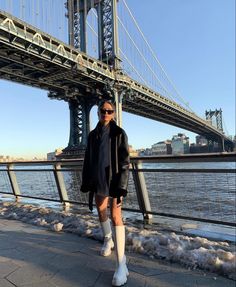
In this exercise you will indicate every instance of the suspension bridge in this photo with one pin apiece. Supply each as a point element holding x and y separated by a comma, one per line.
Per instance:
<point>73,50</point>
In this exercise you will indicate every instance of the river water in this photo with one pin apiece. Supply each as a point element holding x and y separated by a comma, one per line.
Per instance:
<point>201,195</point>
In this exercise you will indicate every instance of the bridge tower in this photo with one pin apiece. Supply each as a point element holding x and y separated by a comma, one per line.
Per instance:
<point>215,119</point>
<point>217,115</point>
<point>80,105</point>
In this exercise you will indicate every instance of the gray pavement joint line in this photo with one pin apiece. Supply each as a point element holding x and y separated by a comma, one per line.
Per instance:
<point>146,274</point>
<point>11,283</point>
<point>153,275</point>
<point>12,271</point>
<point>79,251</point>
<point>6,277</point>
<point>99,275</point>
<point>55,274</point>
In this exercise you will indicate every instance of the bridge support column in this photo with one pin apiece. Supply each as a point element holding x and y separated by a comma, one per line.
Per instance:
<point>222,144</point>
<point>118,100</point>
<point>79,128</point>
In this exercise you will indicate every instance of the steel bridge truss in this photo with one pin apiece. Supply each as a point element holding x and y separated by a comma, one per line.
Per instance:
<point>107,27</point>
<point>31,57</point>
<point>217,114</point>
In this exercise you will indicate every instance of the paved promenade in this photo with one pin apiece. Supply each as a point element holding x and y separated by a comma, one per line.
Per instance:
<point>35,257</point>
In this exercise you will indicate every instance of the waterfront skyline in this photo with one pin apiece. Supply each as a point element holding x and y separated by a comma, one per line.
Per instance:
<point>199,57</point>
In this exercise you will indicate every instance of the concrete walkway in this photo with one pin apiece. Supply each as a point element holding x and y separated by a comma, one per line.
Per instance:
<point>35,257</point>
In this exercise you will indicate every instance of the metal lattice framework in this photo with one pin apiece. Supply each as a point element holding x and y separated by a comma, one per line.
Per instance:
<point>34,58</point>
<point>108,47</point>
<point>76,24</point>
<point>217,114</point>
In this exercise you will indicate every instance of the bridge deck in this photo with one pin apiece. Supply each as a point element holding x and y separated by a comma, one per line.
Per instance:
<point>33,256</point>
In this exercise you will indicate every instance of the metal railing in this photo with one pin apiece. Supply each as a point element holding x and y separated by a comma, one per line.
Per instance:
<point>192,187</point>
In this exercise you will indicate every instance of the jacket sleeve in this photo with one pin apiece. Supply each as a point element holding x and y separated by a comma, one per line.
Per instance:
<point>85,172</point>
<point>123,163</point>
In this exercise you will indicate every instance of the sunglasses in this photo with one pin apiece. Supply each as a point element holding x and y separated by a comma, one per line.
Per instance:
<point>104,111</point>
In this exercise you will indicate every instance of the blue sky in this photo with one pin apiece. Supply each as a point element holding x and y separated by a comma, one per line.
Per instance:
<point>194,41</point>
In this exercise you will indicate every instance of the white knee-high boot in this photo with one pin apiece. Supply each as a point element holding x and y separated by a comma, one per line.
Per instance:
<point>121,273</point>
<point>108,242</point>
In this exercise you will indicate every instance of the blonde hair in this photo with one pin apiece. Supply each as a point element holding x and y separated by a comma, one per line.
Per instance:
<point>112,104</point>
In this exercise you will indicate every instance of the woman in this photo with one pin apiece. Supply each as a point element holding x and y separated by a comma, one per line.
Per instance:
<point>105,174</point>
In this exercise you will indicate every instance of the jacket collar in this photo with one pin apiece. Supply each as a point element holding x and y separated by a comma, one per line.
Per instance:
<point>113,128</point>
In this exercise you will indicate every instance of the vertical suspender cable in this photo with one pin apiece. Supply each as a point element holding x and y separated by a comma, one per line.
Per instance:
<point>10,7</point>
<point>50,18</point>
<point>37,14</point>
<point>61,22</point>
<point>155,57</point>
<point>33,13</point>
<point>21,9</point>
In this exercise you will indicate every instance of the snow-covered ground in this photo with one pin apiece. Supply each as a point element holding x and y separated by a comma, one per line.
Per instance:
<point>192,252</point>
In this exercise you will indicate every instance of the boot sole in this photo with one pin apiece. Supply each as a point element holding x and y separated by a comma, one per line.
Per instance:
<point>107,254</point>
<point>119,285</point>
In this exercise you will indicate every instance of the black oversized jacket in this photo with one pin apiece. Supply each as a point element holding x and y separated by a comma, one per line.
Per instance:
<point>118,171</point>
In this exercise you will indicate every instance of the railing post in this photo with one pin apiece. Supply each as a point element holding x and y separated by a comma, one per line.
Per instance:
<point>13,181</point>
<point>141,191</point>
<point>61,184</point>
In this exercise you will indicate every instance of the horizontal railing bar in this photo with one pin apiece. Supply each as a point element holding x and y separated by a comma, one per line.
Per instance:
<point>55,200</point>
<point>3,192</point>
<point>186,170</point>
<point>28,170</point>
<point>192,218</point>
<point>204,170</point>
<point>45,162</point>
<point>40,169</point>
<point>37,197</point>
<point>208,157</point>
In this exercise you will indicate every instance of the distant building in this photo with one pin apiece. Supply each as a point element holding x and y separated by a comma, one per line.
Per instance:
<point>132,152</point>
<point>234,141</point>
<point>194,148</point>
<point>201,145</point>
<point>180,144</point>
<point>52,155</point>
<point>163,147</point>
<point>201,141</point>
<point>5,158</point>
<point>145,152</point>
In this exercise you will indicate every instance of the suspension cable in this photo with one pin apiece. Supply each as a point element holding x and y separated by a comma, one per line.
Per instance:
<point>225,127</point>
<point>144,81</point>
<point>154,55</point>
<point>143,57</point>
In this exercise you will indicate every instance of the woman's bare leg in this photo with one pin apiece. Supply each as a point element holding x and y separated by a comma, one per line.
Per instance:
<point>101,204</point>
<point>116,213</point>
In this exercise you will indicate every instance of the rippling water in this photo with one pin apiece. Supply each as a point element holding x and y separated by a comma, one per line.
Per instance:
<point>204,195</point>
